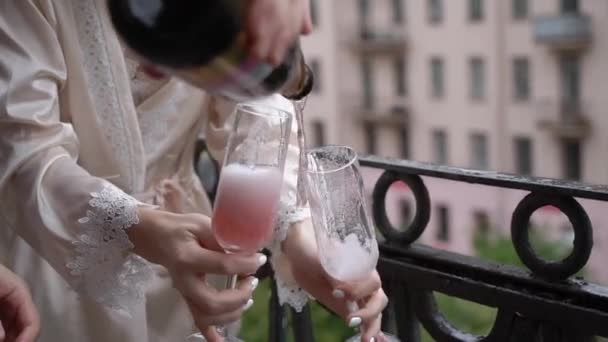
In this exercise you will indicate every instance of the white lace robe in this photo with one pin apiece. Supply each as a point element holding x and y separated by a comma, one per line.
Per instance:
<point>84,141</point>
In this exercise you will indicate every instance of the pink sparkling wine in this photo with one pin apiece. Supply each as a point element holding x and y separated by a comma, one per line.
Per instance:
<point>246,207</point>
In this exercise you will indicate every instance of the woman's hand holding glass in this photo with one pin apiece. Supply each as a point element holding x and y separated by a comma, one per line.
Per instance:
<point>344,231</point>
<point>302,252</point>
<point>185,246</point>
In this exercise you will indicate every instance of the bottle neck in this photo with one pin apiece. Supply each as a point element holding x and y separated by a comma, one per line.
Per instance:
<point>301,80</point>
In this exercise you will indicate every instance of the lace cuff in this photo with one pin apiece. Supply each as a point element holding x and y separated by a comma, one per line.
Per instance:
<point>294,296</point>
<point>103,267</point>
<point>288,293</point>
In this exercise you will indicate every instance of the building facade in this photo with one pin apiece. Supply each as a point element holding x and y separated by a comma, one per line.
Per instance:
<point>514,86</point>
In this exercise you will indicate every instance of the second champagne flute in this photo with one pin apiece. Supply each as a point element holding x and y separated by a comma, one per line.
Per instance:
<point>344,230</point>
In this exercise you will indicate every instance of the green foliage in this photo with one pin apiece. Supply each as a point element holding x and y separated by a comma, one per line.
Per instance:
<point>500,249</point>
<point>478,319</point>
<point>468,316</point>
<point>328,327</point>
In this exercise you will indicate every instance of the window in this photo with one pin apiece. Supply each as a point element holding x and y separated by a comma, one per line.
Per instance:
<point>443,228</point>
<point>523,156</point>
<point>314,12</point>
<point>370,138</point>
<point>368,83</point>
<point>479,151</point>
<point>571,78</point>
<point>363,8</point>
<point>406,213</point>
<point>569,6</point>
<point>399,72</point>
<point>520,9</point>
<point>404,142</point>
<point>315,65</point>
<point>482,222</point>
<point>398,11</point>
<point>521,79</point>
<point>435,11</point>
<point>571,159</point>
<point>476,10</point>
<point>363,17</point>
<point>440,147</point>
<point>318,129</point>
<point>437,77</point>
<point>478,78</point>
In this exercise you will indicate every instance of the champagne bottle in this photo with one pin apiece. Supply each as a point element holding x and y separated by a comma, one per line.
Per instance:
<point>203,43</point>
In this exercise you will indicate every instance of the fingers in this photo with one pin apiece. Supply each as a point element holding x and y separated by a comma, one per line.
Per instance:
<point>263,24</point>
<point>372,310</point>
<point>273,25</point>
<point>29,321</point>
<point>211,258</point>
<point>288,32</point>
<point>372,330</point>
<point>383,338</point>
<point>282,43</point>
<point>307,25</point>
<point>223,319</point>
<point>297,14</point>
<point>201,226</point>
<point>25,325</point>
<point>174,196</point>
<point>200,260</point>
<point>211,334</point>
<point>29,334</point>
<point>225,314</point>
<point>220,263</point>
<point>359,290</point>
<point>210,302</point>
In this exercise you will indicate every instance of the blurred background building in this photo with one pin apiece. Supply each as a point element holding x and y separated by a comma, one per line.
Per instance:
<point>497,85</point>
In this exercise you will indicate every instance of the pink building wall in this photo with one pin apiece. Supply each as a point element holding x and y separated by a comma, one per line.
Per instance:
<point>497,39</point>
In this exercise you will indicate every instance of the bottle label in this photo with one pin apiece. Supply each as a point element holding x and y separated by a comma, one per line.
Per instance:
<point>234,74</point>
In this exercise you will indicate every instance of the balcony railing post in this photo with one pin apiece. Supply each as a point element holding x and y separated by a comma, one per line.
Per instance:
<point>302,325</point>
<point>408,328</point>
<point>277,319</point>
<point>399,317</point>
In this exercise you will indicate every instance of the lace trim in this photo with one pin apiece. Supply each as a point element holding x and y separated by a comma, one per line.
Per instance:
<point>142,86</point>
<point>155,124</point>
<point>100,78</point>
<point>104,268</point>
<point>291,295</point>
<point>289,214</point>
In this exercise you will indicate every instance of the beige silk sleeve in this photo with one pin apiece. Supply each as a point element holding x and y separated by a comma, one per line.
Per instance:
<point>75,221</point>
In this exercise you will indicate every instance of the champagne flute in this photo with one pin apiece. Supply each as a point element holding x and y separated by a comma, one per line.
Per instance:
<point>250,184</point>
<point>344,231</point>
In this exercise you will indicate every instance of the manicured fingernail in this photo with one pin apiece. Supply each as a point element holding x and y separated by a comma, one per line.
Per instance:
<point>373,339</point>
<point>262,259</point>
<point>352,306</point>
<point>254,283</point>
<point>337,293</point>
<point>248,305</point>
<point>354,322</point>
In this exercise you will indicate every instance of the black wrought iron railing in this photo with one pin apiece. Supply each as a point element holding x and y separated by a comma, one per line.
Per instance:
<point>543,304</point>
<point>546,302</point>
